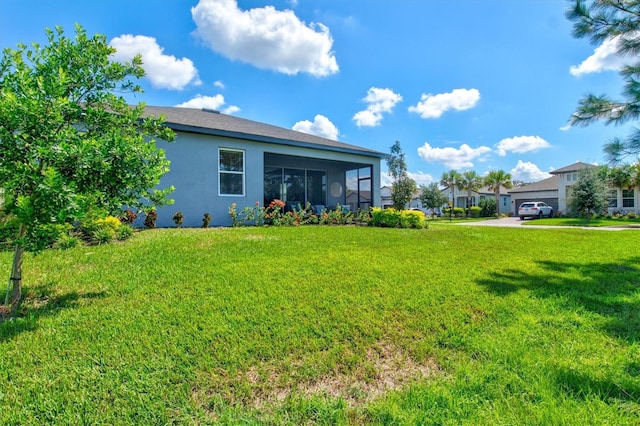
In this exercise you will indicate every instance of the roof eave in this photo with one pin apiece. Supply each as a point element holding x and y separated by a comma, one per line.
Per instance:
<point>280,141</point>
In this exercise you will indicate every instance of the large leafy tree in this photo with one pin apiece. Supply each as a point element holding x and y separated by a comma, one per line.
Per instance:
<point>403,187</point>
<point>619,21</point>
<point>68,142</point>
<point>471,181</point>
<point>589,193</point>
<point>432,196</point>
<point>496,180</point>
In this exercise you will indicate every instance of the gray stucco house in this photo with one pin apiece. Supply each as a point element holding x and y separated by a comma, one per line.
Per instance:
<point>219,159</point>
<point>556,191</point>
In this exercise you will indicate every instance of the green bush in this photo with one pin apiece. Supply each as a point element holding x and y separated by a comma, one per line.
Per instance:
<point>392,218</point>
<point>104,235</point>
<point>45,235</point>
<point>124,232</point>
<point>386,218</point>
<point>66,242</point>
<point>457,212</point>
<point>412,219</point>
<point>476,211</point>
<point>488,206</point>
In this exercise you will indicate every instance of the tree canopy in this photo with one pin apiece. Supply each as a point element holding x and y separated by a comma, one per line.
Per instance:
<point>618,21</point>
<point>403,187</point>
<point>495,180</point>
<point>432,196</point>
<point>589,193</point>
<point>68,142</point>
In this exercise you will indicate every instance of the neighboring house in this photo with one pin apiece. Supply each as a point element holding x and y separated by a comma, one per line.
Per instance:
<point>415,203</point>
<point>504,200</point>
<point>218,160</point>
<point>545,190</point>
<point>556,191</point>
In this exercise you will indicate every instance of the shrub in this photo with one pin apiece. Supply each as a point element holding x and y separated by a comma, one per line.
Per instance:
<point>475,211</point>
<point>488,206</point>
<point>386,218</point>
<point>128,217</point>
<point>66,242</point>
<point>178,219</point>
<point>124,232</point>
<point>457,212</point>
<point>206,219</point>
<point>150,219</point>
<point>49,234</point>
<point>103,235</point>
<point>412,219</point>
<point>631,215</point>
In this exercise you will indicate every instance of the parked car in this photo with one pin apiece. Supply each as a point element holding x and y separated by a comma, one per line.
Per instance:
<point>534,209</point>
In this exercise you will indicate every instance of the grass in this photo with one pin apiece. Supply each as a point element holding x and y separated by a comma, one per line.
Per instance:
<point>582,222</point>
<point>329,325</point>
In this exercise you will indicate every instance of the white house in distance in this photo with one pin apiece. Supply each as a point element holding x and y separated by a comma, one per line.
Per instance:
<point>460,198</point>
<point>556,191</point>
<point>218,160</point>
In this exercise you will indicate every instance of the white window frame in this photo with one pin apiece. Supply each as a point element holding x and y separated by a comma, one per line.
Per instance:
<point>220,172</point>
<point>631,198</point>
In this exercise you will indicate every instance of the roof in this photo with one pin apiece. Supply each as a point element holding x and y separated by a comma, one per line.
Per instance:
<point>548,184</point>
<point>487,190</point>
<point>573,168</point>
<point>211,122</point>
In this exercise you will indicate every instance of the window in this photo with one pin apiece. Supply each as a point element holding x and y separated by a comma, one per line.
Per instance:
<point>572,177</point>
<point>359,188</point>
<point>612,196</point>
<point>295,186</point>
<point>231,172</point>
<point>628,198</point>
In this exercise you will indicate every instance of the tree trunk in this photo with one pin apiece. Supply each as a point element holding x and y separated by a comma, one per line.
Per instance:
<point>15,281</point>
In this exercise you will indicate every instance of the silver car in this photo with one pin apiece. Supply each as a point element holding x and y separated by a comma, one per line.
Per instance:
<point>534,209</point>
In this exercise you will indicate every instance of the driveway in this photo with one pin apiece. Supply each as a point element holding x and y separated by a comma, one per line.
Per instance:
<point>515,222</point>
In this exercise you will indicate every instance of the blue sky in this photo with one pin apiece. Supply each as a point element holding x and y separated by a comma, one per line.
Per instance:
<point>462,84</point>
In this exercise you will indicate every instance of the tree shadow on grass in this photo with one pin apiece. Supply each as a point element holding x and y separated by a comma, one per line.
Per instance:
<point>611,290</point>
<point>41,301</point>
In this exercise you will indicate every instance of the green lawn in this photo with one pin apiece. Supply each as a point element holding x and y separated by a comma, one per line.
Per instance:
<point>337,325</point>
<point>580,221</point>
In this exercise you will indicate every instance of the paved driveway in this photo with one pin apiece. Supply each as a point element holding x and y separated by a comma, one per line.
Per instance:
<point>515,222</point>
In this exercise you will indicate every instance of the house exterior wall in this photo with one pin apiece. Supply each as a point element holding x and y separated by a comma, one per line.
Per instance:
<point>194,174</point>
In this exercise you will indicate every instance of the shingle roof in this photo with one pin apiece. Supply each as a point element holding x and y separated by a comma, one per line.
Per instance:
<point>214,123</point>
<point>548,184</point>
<point>573,168</point>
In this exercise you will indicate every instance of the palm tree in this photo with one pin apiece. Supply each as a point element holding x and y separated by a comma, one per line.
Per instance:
<point>452,180</point>
<point>495,180</point>
<point>471,181</point>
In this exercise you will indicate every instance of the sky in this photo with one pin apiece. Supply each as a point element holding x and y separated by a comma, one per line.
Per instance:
<point>462,84</point>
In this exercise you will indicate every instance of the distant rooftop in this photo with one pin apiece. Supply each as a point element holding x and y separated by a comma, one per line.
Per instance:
<point>573,168</point>
<point>548,184</point>
<point>210,122</point>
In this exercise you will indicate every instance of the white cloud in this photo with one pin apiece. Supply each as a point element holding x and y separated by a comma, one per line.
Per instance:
<point>164,71</point>
<point>521,144</point>
<point>265,37</point>
<point>218,84</point>
<point>321,126</point>
<point>433,106</point>
<point>528,172</point>
<point>604,58</point>
<point>421,177</point>
<point>455,158</point>
<point>565,127</point>
<point>380,101</point>
<point>209,102</point>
